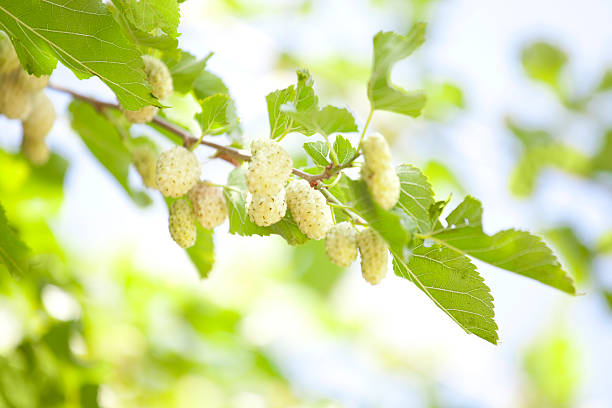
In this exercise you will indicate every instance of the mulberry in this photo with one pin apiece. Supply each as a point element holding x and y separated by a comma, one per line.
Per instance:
<point>177,171</point>
<point>309,209</point>
<point>374,255</point>
<point>341,244</point>
<point>269,169</point>
<point>181,223</point>
<point>209,204</point>
<point>266,209</point>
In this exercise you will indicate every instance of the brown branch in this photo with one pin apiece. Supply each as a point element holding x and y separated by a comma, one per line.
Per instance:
<point>230,154</point>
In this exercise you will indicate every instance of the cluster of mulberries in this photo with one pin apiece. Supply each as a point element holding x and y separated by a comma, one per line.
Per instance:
<point>160,80</point>
<point>309,209</point>
<point>266,176</point>
<point>177,171</point>
<point>342,243</point>
<point>22,98</point>
<point>378,172</point>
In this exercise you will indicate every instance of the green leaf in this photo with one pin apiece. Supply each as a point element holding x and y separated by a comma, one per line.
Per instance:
<point>298,98</point>
<point>443,99</point>
<point>186,71</point>
<point>84,37</point>
<point>573,252</point>
<point>537,158</point>
<point>390,48</point>
<point>241,224</point>
<point>14,253</point>
<point>318,151</point>
<point>344,150</point>
<point>604,243</point>
<point>544,62</point>
<point>105,142</point>
<point>311,265</point>
<point>202,253</point>
<point>326,121</point>
<point>454,285</point>
<point>389,224</point>
<point>512,250</point>
<point>151,15</point>
<point>529,137</point>
<point>218,115</point>
<point>207,84</point>
<point>149,23</point>
<point>603,158</point>
<point>606,81</point>
<point>416,196</point>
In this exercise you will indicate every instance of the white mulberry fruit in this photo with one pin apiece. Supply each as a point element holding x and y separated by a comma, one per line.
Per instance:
<point>266,209</point>
<point>209,204</point>
<point>384,186</point>
<point>35,150</point>
<point>160,80</point>
<point>374,255</point>
<point>15,102</point>
<point>145,159</point>
<point>36,127</point>
<point>8,57</point>
<point>378,172</point>
<point>142,115</point>
<point>177,171</point>
<point>31,83</point>
<point>341,244</point>
<point>269,169</point>
<point>181,223</point>
<point>376,152</point>
<point>309,209</point>
<point>158,76</point>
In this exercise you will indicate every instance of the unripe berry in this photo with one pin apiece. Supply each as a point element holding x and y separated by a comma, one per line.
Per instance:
<point>378,172</point>
<point>35,150</point>
<point>158,76</point>
<point>266,209</point>
<point>374,255</point>
<point>15,102</point>
<point>384,186</point>
<point>8,57</point>
<point>376,152</point>
<point>177,171</point>
<point>31,83</point>
<point>41,118</point>
<point>142,115</point>
<point>341,244</point>
<point>269,169</point>
<point>181,223</point>
<point>309,209</point>
<point>209,204</point>
<point>145,160</point>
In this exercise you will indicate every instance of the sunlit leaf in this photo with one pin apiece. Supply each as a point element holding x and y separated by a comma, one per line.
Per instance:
<point>105,142</point>
<point>515,251</point>
<point>389,48</point>
<point>14,253</point>
<point>84,37</point>
<point>454,285</point>
<point>318,152</point>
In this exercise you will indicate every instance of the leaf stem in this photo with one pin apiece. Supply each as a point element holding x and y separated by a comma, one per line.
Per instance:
<point>365,128</point>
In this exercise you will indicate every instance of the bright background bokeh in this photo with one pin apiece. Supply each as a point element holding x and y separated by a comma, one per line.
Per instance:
<point>326,337</point>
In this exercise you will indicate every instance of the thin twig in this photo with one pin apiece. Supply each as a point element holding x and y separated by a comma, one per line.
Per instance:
<point>225,152</point>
